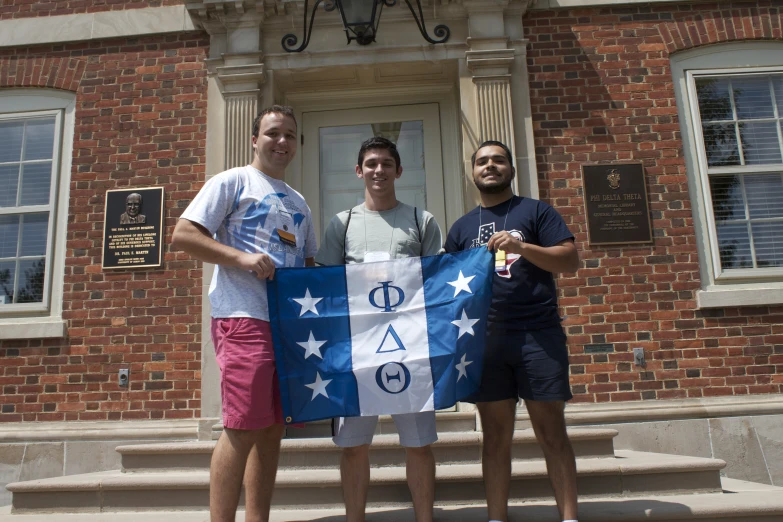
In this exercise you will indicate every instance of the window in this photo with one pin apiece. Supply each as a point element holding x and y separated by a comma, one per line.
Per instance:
<point>742,146</point>
<point>27,172</point>
<point>36,135</point>
<point>730,105</point>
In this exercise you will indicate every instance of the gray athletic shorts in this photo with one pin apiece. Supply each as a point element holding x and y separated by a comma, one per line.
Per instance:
<point>415,429</point>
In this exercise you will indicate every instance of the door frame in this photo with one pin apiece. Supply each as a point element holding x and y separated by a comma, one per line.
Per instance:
<point>428,113</point>
<point>445,96</point>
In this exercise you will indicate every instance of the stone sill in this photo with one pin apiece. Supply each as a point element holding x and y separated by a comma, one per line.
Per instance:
<point>723,297</point>
<point>43,328</point>
<point>565,4</point>
<point>675,409</point>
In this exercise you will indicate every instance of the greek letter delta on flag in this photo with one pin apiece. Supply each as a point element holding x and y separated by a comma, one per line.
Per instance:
<point>398,336</point>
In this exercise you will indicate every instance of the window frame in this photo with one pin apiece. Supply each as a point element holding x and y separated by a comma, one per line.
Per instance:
<point>736,57</point>
<point>705,172</point>
<point>51,208</point>
<point>44,320</point>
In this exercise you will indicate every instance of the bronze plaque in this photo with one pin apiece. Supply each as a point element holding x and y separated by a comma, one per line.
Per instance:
<point>616,204</point>
<point>133,228</point>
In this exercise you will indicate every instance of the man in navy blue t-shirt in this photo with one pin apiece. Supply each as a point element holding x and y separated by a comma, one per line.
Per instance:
<point>526,355</point>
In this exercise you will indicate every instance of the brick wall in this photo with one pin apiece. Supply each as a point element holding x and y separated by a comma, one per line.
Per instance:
<point>602,91</point>
<point>30,8</point>
<point>140,121</point>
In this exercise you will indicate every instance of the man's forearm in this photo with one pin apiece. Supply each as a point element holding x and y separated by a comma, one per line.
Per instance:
<point>197,242</point>
<point>557,259</point>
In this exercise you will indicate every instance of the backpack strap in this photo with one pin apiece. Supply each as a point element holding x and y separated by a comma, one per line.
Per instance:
<point>345,235</point>
<point>418,229</point>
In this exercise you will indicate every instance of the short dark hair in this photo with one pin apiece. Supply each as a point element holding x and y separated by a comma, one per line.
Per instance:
<point>285,110</point>
<point>377,142</point>
<point>489,143</point>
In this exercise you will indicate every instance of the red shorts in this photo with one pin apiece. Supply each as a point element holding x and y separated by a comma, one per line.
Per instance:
<point>249,388</point>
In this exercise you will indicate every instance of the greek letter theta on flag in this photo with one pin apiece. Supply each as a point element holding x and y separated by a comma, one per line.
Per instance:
<point>397,336</point>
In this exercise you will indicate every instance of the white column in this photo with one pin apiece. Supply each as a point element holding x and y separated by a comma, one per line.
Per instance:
<point>493,90</point>
<point>240,78</point>
<point>494,104</point>
<point>241,109</point>
<point>492,80</point>
<point>236,68</point>
<point>485,92</point>
<point>527,172</point>
<point>236,77</point>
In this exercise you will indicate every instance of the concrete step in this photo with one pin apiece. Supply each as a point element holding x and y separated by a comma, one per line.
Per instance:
<point>630,474</point>
<point>451,448</point>
<point>746,506</point>
<point>738,502</point>
<point>446,421</point>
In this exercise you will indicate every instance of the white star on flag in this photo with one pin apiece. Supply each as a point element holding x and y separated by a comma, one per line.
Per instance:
<point>312,347</point>
<point>461,283</point>
<point>319,386</point>
<point>308,303</point>
<point>461,367</point>
<point>465,324</point>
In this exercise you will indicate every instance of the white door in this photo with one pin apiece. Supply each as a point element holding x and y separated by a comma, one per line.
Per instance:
<point>331,148</point>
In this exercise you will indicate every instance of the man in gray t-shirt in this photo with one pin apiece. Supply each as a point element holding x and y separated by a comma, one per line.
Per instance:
<point>361,235</point>
<point>380,229</point>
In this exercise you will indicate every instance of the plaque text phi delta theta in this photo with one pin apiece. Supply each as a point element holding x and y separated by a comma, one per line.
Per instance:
<point>616,204</point>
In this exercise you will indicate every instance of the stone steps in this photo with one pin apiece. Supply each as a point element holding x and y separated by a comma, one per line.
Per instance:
<point>170,482</point>
<point>318,453</point>
<point>629,474</point>
<point>738,502</point>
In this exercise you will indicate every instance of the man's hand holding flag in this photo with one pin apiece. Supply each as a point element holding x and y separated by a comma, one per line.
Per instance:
<point>397,336</point>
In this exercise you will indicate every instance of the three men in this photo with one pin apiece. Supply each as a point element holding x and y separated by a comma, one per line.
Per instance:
<point>525,355</point>
<point>382,228</point>
<point>248,221</point>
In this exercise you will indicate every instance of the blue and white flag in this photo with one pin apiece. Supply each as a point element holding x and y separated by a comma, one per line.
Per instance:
<point>398,336</point>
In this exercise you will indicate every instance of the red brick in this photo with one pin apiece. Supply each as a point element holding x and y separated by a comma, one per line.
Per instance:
<point>612,116</point>
<point>617,105</point>
<point>108,332</point>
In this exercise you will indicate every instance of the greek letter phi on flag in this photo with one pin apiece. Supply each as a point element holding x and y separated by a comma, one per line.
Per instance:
<point>386,337</point>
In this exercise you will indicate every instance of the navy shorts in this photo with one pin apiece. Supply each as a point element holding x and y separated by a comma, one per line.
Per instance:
<point>527,364</point>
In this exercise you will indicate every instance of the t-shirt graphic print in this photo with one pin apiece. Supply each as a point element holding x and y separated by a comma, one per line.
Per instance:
<point>252,212</point>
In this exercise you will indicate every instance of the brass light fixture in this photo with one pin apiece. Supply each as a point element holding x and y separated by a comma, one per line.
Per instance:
<point>360,21</point>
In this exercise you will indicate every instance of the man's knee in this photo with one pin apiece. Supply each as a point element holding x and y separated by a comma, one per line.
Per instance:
<point>548,420</point>
<point>497,422</point>
<point>555,444</point>
<point>355,452</point>
<point>497,441</point>
<point>422,452</point>
<point>547,414</point>
<point>241,439</point>
<point>271,433</point>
